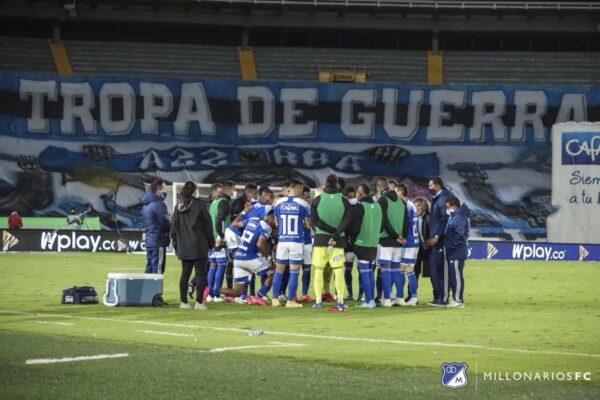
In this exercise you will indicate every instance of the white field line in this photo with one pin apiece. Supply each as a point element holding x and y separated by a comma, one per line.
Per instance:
<point>318,336</point>
<point>73,359</point>
<point>168,333</point>
<point>267,346</point>
<point>54,323</point>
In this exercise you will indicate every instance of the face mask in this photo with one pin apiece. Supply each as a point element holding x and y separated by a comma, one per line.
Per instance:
<point>253,200</point>
<point>432,192</point>
<point>163,195</point>
<point>353,201</point>
<point>234,195</point>
<point>449,211</point>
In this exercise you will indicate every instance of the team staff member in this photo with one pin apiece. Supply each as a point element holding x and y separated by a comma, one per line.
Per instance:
<point>221,217</point>
<point>422,264</point>
<point>192,235</point>
<point>456,238</point>
<point>156,224</point>
<point>437,224</point>
<point>365,228</point>
<point>330,215</point>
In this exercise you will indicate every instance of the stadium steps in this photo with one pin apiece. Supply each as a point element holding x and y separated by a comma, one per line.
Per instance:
<point>153,59</point>
<point>293,63</point>
<point>61,58</point>
<point>568,68</point>
<point>26,54</point>
<point>247,64</point>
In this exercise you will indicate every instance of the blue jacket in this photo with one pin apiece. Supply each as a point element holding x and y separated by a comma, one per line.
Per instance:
<point>457,234</point>
<point>438,217</point>
<point>156,221</point>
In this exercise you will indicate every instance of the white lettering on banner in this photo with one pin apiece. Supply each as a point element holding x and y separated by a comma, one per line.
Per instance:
<point>72,93</point>
<point>151,161</point>
<point>280,156</point>
<point>185,159</point>
<point>537,252</point>
<point>247,96</point>
<point>531,106</point>
<point>481,101</point>
<point>37,91</point>
<point>74,241</point>
<point>572,104</point>
<point>193,107</point>
<point>109,93</point>
<point>402,132</point>
<point>313,158</point>
<point>151,92</point>
<point>365,129</point>
<point>290,97</point>
<point>48,240</point>
<point>439,99</point>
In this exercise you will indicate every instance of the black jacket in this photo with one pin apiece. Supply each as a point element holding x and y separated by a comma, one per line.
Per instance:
<point>191,230</point>
<point>237,206</point>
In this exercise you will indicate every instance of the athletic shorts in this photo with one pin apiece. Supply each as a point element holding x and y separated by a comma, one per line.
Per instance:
<point>218,256</point>
<point>290,253</point>
<point>244,269</point>
<point>349,256</point>
<point>409,255</point>
<point>232,241</point>
<point>308,249</point>
<point>389,255</point>
<point>320,258</point>
<point>365,253</point>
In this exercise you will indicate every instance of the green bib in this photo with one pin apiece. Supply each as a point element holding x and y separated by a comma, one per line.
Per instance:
<point>370,229</point>
<point>395,215</point>
<point>330,210</point>
<point>213,210</point>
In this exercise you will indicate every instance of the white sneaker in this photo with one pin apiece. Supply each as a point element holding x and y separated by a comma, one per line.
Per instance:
<point>400,302</point>
<point>386,303</point>
<point>200,307</point>
<point>282,298</point>
<point>455,304</point>
<point>217,300</point>
<point>208,299</point>
<point>412,302</point>
<point>184,306</point>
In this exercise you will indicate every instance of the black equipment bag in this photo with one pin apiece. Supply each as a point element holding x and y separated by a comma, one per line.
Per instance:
<point>80,295</point>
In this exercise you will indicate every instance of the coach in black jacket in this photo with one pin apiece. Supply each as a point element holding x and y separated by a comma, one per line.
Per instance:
<point>192,236</point>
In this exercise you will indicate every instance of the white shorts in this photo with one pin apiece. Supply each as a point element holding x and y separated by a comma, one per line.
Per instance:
<point>389,255</point>
<point>244,269</point>
<point>290,253</point>
<point>350,256</point>
<point>218,256</point>
<point>308,254</point>
<point>409,255</point>
<point>232,240</point>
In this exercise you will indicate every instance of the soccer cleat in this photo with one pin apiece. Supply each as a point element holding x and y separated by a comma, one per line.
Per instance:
<point>364,304</point>
<point>206,292</point>
<point>217,299</point>
<point>293,304</point>
<point>307,298</point>
<point>208,298</point>
<point>340,307</point>
<point>229,299</point>
<point>412,302</point>
<point>184,306</point>
<point>282,297</point>
<point>361,298</point>
<point>377,300</point>
<point>200,307</point>
<point>317,305</point>
<point>400,302</point>
<point>327,297</point>
<point>275,303</point>
<point>259,301</point>
<point>455,304</point>
<point>435,303</point>
<point>386,303</point>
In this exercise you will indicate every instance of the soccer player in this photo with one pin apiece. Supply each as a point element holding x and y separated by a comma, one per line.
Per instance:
<point>365,228</point>
<point>220,215</point>
<point>456,238</point>
<point>252,257</point>
<point>395,225</point>
<point>292,216</point>
<point>308,248</point>
<point>437,224</point>
<point>330,215</point>
<point>350,256</point>
<point>408,253</point>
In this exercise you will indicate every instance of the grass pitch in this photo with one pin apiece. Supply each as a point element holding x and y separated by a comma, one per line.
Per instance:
<point>520,317</point>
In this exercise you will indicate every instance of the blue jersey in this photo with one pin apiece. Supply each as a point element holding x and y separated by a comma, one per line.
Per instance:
<point>412,238</point>
<point>308,232</point>
<point>290,212</point>
<point>259,211</point>
<point>254,229</point>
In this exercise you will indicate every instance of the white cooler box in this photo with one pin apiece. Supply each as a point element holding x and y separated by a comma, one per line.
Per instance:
<point>125,289</point>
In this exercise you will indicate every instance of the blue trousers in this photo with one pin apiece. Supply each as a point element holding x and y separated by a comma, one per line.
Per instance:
<point>457,280</point>
<point>438,269</point>
<point>156,258</point>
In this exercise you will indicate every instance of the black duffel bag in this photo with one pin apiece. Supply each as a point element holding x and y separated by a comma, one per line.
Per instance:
<point>80,295</point>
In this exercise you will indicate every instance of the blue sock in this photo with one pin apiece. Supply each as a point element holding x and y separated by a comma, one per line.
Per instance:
<point>365,280</point>
<point>252,285</point>
<point>219,278</point>
<point>399,280</point>
<point>263,277</point>
<point>293,283</point>
<point>386,280</point>
<point>285,280</point>
<point>210,280</point>
<point>348,278</point>
<point>378,283</point>
<point>372,281</point>
<point>264,289</point>
<point>229,279</point>
<point>244,292</point>
<point>277,278</point>
<point>305,278</point>
<point>412,284</point>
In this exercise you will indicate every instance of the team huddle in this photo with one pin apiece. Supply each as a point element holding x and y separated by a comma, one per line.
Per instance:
<point>274,241</point>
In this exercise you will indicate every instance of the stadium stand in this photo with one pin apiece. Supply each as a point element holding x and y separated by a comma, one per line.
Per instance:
<point>26,54</point>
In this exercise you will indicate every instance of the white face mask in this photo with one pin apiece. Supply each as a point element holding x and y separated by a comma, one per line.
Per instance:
<point>234,195</point>
<point>353,201</point>
<point>253,200</point>
<point>449,211</point>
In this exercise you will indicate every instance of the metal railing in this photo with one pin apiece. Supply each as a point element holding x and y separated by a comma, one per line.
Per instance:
<point>432,4</point>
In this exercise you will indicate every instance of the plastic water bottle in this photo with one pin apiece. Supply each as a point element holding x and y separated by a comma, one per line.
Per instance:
<point>330,248</point>
<point>255,332</point>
